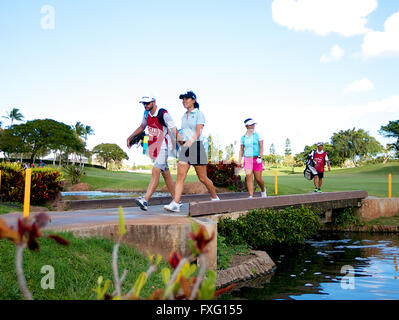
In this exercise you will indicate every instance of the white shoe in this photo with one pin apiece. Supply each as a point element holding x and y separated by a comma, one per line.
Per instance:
<point>142,203</point>
<point>250,197</point>
<point>172,207</point>
<point>263,194</point>
<point>216,199</point>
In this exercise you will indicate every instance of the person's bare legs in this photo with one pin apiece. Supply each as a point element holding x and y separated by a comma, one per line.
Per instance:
<point>169,182</point>
<point>259,180</point>
<point>182,169</point>
<point>316,181</point>
<point>250,182</point>
<point>320,183</point>
<point>203,178</point>
<point>152,186</point>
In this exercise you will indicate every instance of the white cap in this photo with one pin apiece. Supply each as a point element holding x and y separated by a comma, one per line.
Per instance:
<point>249,122</point>
<point>319,144</point>
<point>147,99</point>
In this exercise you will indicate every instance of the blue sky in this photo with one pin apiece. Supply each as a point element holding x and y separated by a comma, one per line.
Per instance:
<point>270,60</point>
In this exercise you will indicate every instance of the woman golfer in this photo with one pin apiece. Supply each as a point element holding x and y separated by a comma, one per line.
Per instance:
<point>192,151</point>
<point>252,151</point>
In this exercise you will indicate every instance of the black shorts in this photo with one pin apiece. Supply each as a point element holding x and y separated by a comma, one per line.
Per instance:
<point>194,155</point>
<point>320,175</point>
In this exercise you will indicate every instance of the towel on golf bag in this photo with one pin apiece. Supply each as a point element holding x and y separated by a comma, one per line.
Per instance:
<point>310,171</point>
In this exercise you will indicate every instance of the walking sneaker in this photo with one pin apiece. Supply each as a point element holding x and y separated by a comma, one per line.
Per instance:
<point>263,194</point>
<point>250,197</point>
<point>216,199</point>
<point>316,190</point>
<point>172,207</point>
<point>319,190</point>
<point>142,203</point>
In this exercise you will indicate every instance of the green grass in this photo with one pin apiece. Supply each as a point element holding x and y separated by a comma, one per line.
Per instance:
<point>77,268</point>
<point>10,207</point>
<point>372,178</point>
<point>385,221</point>
<point>105,179</point>
<point>225,252</point>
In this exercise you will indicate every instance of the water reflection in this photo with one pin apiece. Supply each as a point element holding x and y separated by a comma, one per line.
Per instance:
<point>352,266</point>
<point>91,195</point>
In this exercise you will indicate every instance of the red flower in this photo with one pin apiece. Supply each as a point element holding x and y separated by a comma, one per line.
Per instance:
<point>201,239</point>
<point>174,259</point>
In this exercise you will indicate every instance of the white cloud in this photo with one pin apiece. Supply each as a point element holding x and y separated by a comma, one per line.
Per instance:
<point>378,43</point>
<point>362,85</point>
<point>345,17</point>
<point>336,53</point>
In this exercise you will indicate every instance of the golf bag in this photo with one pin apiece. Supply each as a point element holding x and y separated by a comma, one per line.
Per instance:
<point>137,139</point>
<point>310,171</point>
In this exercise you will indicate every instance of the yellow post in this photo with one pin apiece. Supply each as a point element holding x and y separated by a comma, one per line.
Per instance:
<point>275,183</point>
<point>390,186</point>
<point>28,174</point>
<point>0,180</point>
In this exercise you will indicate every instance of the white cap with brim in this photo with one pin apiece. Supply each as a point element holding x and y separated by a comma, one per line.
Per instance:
<point>147,99</point>
<point>319,144</point>
<point>249,122</point>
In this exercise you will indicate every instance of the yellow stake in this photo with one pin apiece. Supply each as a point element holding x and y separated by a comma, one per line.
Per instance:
<point>275,183</point>
<point>390,186</point>
<point>28,173</point>
<point>0,180</point>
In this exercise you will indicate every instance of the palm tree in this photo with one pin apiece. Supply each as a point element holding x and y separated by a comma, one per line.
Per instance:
<point>83,131</point>
<point>14,114</point>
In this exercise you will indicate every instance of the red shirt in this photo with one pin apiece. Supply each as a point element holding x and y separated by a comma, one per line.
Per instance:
<point>320,161</point>
<point>155,135</point>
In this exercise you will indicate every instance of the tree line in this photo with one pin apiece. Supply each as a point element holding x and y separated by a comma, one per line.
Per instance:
<point>354,145</point>
<point>40,137</point>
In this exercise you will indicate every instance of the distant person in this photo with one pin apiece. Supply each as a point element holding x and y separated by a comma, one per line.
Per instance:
<point>252,151</point>
<point>41,164</point>
<point>192,152</point>
<point>320,159</point>
<point>160,124</point>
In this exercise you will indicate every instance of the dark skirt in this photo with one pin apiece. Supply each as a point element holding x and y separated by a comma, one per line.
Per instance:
<point>194,155</point>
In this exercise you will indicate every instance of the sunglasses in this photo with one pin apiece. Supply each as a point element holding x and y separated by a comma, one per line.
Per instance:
<point>146,103</point>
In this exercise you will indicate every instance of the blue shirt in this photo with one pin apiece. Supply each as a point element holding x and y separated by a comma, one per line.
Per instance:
<point>189,125</point>
<point>251,144</point>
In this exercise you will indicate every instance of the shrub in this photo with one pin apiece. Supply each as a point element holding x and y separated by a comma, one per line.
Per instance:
<point>223,174</point>
<point>45,183</point>
<point>263,227</point>
<point>73,173</point>
<point>345,217</point>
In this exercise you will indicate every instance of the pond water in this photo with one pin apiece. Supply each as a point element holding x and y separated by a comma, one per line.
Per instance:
<point>340,266</point>
<point>91,195</point>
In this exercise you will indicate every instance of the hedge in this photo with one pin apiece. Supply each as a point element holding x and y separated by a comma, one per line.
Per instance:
<point>264,227</point>
<point>45,184</point>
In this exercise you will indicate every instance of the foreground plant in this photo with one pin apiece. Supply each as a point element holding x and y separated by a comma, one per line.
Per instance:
<point>179,285</point>
<point>26,236</point>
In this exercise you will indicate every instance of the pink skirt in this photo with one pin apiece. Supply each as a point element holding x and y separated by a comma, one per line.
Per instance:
<point>251,164</point>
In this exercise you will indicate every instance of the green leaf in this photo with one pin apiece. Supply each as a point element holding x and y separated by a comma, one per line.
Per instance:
<point>158,260</point>
<point>165,275</point>
<point>192,247</point>
<point>208,287</point>
<point>194,226</point>
<point>122,228</point>
<point>140,282</point>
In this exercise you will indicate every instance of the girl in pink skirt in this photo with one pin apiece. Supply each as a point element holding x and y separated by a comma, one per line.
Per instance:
<point>252,151</point>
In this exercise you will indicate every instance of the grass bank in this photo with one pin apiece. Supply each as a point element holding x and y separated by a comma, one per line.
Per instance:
<point>77,268</point>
